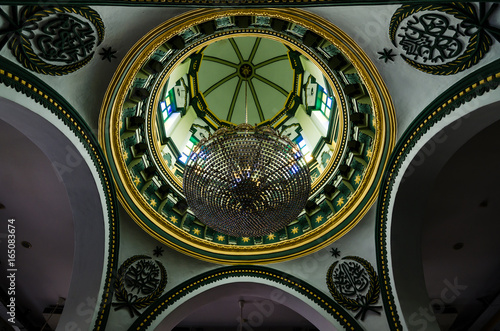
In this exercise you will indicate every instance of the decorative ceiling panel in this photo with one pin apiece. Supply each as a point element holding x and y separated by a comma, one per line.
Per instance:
<point>344,129</point>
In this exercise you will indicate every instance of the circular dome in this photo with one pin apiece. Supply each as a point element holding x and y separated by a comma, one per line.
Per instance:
<point>246,64</point>
<point>306,79</point>
<point>246,181</point>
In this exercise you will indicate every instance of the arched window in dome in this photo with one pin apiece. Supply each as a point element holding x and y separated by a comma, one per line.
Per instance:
<point>303,148</point>
<point>186,152</point>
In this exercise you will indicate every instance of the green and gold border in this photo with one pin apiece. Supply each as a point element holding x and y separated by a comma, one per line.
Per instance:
<point>225,3</point>
<point>342,100</point>
<point>209,278</point>
<point>344,219</point>
<point>476,84</point>
<point>26,83</point>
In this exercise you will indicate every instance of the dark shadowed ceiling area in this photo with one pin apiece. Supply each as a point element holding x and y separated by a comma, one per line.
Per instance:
<point>460,235</point>
<point>32,194</point>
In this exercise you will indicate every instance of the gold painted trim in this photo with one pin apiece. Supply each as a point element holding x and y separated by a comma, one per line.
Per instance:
<point>320,181</point>
<point>385,196</point>
<point>369,75</point>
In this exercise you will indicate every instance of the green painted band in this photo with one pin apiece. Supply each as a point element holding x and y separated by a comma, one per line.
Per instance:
<point>420,125</point>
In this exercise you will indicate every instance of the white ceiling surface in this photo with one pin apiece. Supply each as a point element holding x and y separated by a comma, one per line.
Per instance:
<point>313,268</point>
<point>436,206</point>
<point>181,267</point>
<point>84,89</point>
<point>266,306</point>
<point>135,241</point>
<point>35,197</point>
<point>85,92</point>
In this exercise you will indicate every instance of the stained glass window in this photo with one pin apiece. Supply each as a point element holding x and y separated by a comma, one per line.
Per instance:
<point>186,152</point>
<point>167,105</point>
<point>303,148</point>
<point>324,103</point>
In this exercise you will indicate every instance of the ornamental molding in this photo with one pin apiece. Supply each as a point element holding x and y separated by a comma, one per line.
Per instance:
<point>152,194</point>
<point>213,277</point>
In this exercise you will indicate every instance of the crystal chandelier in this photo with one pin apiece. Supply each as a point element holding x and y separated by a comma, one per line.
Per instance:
<point>246,181</point>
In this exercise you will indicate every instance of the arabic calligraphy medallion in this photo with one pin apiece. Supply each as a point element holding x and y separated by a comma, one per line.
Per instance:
<point>443,39</point>
<point>53,40</point>
<point>353,283</point>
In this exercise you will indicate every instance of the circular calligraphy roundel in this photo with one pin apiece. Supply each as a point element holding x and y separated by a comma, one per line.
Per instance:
<point>56,41</point>
<point>353,283</point>
<point>442,39</point>
<point>140,281</point>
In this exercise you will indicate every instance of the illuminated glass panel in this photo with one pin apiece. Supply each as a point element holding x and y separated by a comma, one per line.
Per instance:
<point>324,102</point>
<point>186,152</point>
<point>183,158</point>
<point>303,148</point>
<point>167,105</point>
<point>329,103</point>
<point>327,112</point>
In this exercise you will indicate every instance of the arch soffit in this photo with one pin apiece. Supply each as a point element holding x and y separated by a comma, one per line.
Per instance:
<point>62,121</point>
<point>274,295</point>
<point>327,311</point>
<point>414,154</point>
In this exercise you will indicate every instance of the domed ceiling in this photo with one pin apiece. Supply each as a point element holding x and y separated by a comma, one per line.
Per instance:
<point>256,68</point>
<point>215,69</point>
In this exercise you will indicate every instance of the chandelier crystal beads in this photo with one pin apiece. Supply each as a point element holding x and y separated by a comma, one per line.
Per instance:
<point>246,181</point>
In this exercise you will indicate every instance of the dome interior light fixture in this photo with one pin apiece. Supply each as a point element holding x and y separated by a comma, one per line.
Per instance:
<point>246,181</point>
<point>148,160</point>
